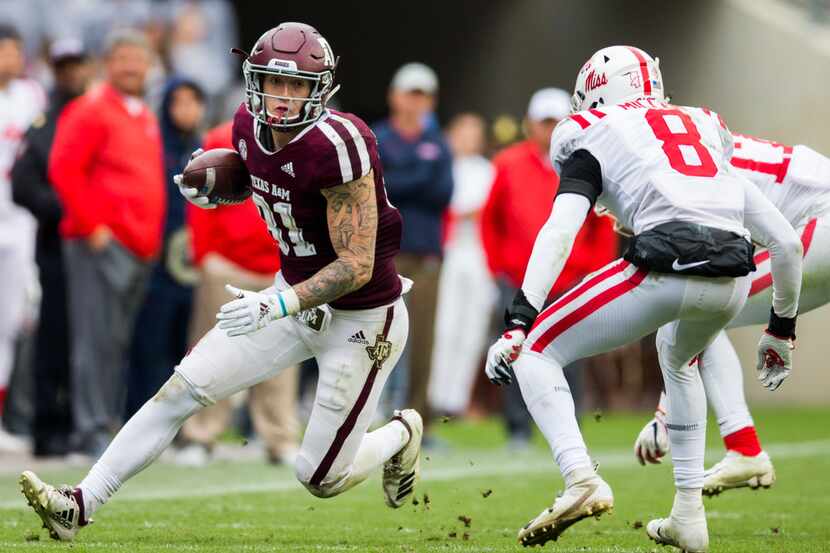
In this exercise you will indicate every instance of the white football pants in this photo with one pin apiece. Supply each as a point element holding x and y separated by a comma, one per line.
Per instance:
<point>355,351</point>
<point>466,297</point>
<point>17,268</point>
<point>720,367</point>
<point>613,307</point>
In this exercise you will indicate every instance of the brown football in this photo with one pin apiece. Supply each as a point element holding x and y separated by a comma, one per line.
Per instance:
<point>220,174</point>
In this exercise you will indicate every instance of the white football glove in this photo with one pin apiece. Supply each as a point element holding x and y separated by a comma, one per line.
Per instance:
<point>775,360</point>
<point>192,194</point>
<point>501,355</point>
<point>251,311</point>
<point>653,441</point>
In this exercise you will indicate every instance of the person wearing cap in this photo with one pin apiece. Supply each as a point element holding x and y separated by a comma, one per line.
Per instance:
<point>32,190</point>
<point>518,205</point>
<point>21,100</point>
<point>417,166</point>
<point>107,165</point>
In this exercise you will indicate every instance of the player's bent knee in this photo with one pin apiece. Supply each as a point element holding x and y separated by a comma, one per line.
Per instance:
<point>329,486</point>
<point>178,394</point>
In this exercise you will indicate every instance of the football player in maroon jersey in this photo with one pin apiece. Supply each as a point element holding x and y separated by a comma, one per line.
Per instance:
<point>317,181</point>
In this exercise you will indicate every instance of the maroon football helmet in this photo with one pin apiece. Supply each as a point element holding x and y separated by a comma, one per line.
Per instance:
<point>295,50</point>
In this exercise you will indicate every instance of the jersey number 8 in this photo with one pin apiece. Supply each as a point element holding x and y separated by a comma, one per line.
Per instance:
<point>676,130</point>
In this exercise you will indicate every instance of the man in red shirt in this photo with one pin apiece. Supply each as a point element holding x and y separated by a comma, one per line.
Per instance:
<point>519,204</point>
<point>231,245</point>
<point>107,167</point>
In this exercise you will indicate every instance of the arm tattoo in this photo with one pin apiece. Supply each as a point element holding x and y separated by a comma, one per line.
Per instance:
<point>352,215</point>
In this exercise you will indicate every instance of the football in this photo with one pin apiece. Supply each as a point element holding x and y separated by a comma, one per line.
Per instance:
<point>220,174</point>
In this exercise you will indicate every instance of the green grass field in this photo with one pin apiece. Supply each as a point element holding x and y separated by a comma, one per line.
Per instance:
<point>253,507</point>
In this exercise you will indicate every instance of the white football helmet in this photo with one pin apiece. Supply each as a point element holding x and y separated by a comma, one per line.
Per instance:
<point>614,75</point>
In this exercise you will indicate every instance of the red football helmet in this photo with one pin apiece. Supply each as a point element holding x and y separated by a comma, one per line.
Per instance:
<point>296,50</point>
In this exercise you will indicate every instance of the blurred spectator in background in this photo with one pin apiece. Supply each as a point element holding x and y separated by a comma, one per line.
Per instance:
<point>232,245</point>
<point>417,167</point>
<point>160,336</point>
<point>33,190</point>
<point>201,36</point>
<point>466,292</point>
<point>519,204</point>
<point>21,100</point>
<point>107,166</point>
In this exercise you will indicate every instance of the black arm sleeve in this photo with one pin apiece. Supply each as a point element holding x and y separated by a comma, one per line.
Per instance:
<point>581,174</point>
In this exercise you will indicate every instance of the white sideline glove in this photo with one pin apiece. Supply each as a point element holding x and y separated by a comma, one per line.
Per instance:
<point>501,355</point>
<point>192,194</point>
<point>252,311</point>
<point>775,360</point>
<point>653,441</point>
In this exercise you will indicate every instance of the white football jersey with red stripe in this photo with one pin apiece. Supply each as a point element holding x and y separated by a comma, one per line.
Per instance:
<point>794,178</point>
<point>660,163</point>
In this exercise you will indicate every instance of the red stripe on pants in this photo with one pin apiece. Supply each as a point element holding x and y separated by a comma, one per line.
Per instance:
<point>579,290</point>
<point>764,282</point>
<point>591,306</point>
<point>351,419</point>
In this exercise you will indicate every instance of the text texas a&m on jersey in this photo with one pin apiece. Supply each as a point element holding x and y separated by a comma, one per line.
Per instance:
<point>337,149</point>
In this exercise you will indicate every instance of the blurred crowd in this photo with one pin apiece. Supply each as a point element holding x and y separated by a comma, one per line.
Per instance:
<point>110,276</point>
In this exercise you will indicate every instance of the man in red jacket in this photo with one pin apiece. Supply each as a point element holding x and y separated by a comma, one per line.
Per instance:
<point>231,245</point>
<point>106,165</point>
<point>519,204</point>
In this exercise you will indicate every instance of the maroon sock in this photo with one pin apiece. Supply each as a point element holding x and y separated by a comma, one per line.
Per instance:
<point>744,441</point>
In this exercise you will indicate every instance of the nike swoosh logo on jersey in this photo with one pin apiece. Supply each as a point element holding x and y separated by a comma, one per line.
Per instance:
<point>677,266</point>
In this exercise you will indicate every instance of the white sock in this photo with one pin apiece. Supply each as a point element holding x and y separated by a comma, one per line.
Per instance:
<point>548,398</point>
<point>688,503</point>
<point>376,448</point>
<point>723,380</point>
<point>139,442</point>
<point>685,418</point>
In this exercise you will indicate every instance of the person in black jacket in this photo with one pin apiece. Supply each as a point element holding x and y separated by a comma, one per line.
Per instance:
<point>32,190</point>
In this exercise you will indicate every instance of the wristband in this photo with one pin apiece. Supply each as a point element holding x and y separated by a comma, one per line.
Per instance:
<point>288,302</point>
<point>521,314</point>
<point>781,327</point>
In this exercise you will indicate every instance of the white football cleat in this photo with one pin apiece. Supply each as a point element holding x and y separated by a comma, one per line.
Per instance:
<point>400,473</point>
<point>688,535</point>
<point>60,509</point>
<point>738,471</point>
<point>589,496</point>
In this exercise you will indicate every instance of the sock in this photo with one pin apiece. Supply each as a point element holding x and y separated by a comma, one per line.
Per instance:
<point>548,398</point>
<point>375,449</point>
<point>139,443</point>
<point>744,441</point>
<point>688,503</point>
<point>2,399</point>
<point>98,486</point>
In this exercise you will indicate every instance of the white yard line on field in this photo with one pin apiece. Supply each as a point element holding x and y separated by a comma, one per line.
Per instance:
<point>455,467</point>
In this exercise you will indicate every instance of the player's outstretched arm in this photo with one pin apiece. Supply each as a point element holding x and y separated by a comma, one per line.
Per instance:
<point>352,214</point>
<point>771,229</point>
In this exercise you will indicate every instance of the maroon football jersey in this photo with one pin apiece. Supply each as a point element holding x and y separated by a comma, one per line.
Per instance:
<point>336,149</point>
